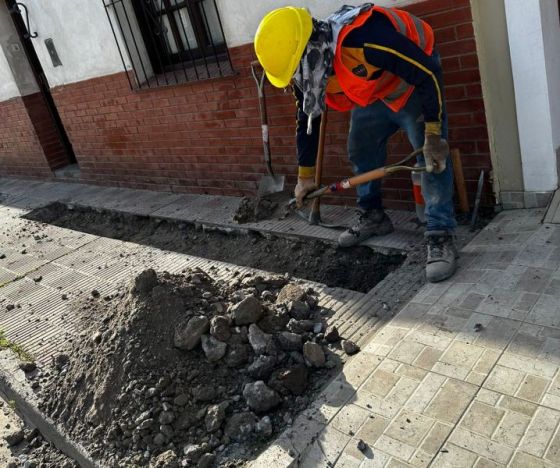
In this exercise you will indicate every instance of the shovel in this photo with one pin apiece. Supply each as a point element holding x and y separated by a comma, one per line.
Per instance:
<point>271,183</point>
<point>365,177</point>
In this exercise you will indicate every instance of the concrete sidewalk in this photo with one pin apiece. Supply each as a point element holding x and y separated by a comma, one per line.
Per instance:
<point>466,375</point>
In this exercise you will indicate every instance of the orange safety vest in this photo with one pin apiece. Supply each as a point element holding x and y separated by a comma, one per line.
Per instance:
<point>394,91</point>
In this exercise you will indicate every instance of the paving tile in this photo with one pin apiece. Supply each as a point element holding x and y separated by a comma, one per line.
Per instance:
<point>349,419</point>
<point>326,449</point>
<point>450,401</point>
<point>454,456</point>
<point>482,419</point>
<point>545,312</point>
<point>468,440</point>
<point>540,432</point>
<point>409,427</point>
<point>523,460</point>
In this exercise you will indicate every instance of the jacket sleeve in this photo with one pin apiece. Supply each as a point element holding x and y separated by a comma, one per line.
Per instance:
<point>306,144</point>
<point>386,48</point>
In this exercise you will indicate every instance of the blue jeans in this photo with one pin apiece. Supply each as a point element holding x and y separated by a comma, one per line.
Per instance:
<point>370,128</point>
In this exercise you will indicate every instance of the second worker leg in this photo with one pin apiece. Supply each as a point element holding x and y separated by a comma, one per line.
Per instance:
<point>370,128</point>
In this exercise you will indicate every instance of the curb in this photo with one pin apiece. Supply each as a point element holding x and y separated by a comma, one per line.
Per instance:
<point>14,387</point>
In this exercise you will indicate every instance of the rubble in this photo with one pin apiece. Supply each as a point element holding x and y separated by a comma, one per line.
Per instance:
<point>161,377</point>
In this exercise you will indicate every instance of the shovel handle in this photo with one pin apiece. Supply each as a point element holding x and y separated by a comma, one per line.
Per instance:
<point>260,81</point>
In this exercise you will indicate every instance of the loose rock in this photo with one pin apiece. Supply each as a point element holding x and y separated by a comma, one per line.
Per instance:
<point>299,310</point>
<point>350,347</point>
<point>241,426</point>
<point>248,311</point>
<point>213,349</point>
<point>145,281</point>
<point>289,341</point>
<point>262,367</point>
<point>219,327</point>
<point>262,343</point>
<point>260,397</point>
<point>215,416</point>
<point>314,354</point>
<point>332,335</point>
<point>188,335</point>
<point>290,293</point>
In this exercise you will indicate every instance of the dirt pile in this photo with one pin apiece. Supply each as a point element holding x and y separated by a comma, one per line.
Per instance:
<point>272,206</point>
<point>185,370</point>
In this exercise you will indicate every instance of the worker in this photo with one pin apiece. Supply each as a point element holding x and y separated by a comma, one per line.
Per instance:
<point>380,64</point>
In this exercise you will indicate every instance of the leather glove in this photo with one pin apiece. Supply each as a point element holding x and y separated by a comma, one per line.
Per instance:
<point>304,186</point>
<point>436,152</point>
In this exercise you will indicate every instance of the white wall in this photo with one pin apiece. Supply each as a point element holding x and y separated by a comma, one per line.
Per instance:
<point>241,17</point>
<point>8,87</point>
<point>534,59</point>
<point>551,39</point>
<point>86,47</point>
<point>82,37</point>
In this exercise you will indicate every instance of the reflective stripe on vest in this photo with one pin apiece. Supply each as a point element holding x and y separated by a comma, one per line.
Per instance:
<point>393,90</point>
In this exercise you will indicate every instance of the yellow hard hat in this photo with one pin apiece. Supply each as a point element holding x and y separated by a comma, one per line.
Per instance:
<point>280,41</point>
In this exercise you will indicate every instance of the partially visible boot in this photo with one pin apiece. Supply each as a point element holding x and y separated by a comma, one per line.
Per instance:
<point>370,223</point>
<point>441,263</point>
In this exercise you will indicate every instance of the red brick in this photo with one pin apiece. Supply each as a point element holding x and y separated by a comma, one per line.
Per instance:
<point>173,138</point>
<point>469,61</point>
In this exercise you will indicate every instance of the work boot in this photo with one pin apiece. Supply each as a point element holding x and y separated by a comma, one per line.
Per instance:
<point>370,223</point>
<point>442,256</point>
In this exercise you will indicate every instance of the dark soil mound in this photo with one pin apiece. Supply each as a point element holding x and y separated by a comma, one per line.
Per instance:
<point>185,369</point>
<point>357,268</point>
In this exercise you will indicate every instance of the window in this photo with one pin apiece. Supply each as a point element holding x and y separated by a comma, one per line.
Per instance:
<point>169,41</point>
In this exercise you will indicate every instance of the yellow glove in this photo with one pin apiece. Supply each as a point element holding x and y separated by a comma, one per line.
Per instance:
<point>305,183</point>
<point>436,152</point>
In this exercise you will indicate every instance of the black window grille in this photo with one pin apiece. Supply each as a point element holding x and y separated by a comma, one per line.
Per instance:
<point>169,41</point>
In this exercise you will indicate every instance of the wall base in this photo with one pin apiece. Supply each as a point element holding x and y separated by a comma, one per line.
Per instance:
<point>520,200</point>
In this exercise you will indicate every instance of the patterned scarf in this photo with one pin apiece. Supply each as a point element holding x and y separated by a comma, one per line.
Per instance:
<point>316,65</point>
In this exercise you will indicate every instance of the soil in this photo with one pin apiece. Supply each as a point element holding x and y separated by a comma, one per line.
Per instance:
<point>272,206</point>
<point>357,268</point>
<point>22,446</point>
<point>139,387</point>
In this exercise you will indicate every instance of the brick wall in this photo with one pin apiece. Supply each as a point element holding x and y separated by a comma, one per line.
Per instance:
<point>46,131</point>
<point>21,154</point>
<point>205,137</point>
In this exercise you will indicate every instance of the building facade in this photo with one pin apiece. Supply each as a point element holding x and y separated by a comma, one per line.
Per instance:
<point>159,95</point>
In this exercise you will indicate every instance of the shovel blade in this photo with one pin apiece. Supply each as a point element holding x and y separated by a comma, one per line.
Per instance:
<point>270,184</point>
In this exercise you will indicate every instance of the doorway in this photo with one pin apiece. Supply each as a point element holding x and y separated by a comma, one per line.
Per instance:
<point>41,106</point>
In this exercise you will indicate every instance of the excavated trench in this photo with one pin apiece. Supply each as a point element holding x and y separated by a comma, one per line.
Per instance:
<point>358,268</point>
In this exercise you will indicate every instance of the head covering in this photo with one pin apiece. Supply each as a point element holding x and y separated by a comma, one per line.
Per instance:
<point>316,65</point>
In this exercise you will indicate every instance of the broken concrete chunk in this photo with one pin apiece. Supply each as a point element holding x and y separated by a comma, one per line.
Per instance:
<point>188,335</point>
<point>261,342</point>
<point>332,335</point>
<point>289,341</point>
<point>264,427</point>
<point>314,354</point>
<point>219,327</point>
<point>248,311</point>
<point>299,310</point>
<point>213,348</point>
<point>262,367</point>
<point>215,416</point>
<point>350,347</point>
<point>293,380</point>
<point>241,426</point>
<point>260,397</point>
<point>290,293</point>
